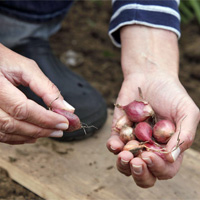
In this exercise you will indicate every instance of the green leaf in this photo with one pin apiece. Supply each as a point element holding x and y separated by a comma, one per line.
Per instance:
<point>190,9</point>
<point>196,6</point>
<point>187,12</point>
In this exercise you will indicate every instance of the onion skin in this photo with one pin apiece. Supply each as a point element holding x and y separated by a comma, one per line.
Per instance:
<point>126,133</point>
<point>158,150</point>
<point>138,111</point>
<point>123,121</point>
<point>134,147</point>
<point>143,132</point>
<point>74,121</point>
<point>163,130</point>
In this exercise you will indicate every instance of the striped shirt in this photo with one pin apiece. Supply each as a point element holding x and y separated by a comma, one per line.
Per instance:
<point>162,14</point>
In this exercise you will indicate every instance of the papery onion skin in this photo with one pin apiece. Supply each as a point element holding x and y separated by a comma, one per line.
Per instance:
<point>123,121</point>
<point>138,111</point>
<point>126,133</point>
<point>134,147</point>
<point>156,149</point>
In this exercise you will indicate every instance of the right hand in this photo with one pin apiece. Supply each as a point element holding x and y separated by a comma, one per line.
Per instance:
<point>23,120</point>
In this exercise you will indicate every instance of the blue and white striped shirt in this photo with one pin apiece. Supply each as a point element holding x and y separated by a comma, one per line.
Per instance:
<point>154,13</point>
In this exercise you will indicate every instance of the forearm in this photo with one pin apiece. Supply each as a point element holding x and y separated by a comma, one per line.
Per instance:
<point>146,49</point>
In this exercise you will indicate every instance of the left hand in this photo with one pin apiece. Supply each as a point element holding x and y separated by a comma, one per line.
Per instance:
<point>156,73</point>
<point>149,167</point>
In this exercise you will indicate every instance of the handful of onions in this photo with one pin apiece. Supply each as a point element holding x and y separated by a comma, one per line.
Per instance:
<point>139,129</point>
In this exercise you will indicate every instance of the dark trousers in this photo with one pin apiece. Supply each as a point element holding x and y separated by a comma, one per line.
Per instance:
<point>35,11</point>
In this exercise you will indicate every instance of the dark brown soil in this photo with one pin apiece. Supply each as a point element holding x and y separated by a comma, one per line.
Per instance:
<point>85,33</point>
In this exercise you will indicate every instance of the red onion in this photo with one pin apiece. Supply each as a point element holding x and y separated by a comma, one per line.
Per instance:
<point>74,121</point>
<point>143,132</point>
<point>163,130</point>
<point>138,111</point>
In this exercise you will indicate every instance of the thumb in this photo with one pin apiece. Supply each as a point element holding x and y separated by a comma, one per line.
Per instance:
<point>184,135</point>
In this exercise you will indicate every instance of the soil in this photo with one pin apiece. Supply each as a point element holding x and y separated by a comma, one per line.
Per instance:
<point>83,44</point>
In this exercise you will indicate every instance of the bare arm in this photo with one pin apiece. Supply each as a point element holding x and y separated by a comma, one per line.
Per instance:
<point>150,60</point>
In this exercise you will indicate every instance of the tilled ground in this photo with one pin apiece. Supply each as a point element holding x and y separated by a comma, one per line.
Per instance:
<point>84,38</point>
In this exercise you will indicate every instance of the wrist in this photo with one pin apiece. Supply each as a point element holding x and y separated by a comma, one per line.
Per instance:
<point>148,50</point>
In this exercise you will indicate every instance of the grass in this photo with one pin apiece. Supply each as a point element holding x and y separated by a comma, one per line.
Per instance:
<point>189,10</point>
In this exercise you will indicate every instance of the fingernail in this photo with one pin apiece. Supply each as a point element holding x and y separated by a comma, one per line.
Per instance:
<point>68,107</point>
<point>137,169</point>
<point>148,161</point>
<point>62,126</point>
<point>175,153</point>
<point>124,162</point>
<point>56,134</point>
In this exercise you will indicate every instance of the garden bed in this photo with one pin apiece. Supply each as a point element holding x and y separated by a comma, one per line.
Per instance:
<point>84,33</point>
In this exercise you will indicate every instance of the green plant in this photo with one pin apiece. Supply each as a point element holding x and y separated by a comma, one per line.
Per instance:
<point>189,9</point>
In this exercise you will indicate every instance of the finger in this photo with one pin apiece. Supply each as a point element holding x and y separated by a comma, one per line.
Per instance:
<point>9,125</point>
<point>22,142</point>
<point>114,144</point>
<point>27,73</point>
<point>185,132</point>
<point>159,168</point>
<point>15,103</point>
<point>118,113</point>
<point>123,99</point>
<point>44,88</point>
<point>123,160</point>
<point>14,139</point>
<point>140,173</point>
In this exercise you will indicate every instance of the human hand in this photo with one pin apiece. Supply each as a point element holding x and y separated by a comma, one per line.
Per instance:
<point>23,120</point>
<point>169,100</point>
<point>158,78</point>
